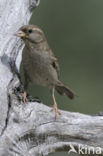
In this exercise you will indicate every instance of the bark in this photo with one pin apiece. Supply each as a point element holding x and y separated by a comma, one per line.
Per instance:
<point>30,129</point>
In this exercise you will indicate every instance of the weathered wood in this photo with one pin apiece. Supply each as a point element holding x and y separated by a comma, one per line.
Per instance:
<point>30,129</point>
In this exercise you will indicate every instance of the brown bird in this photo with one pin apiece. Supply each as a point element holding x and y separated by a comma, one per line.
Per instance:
<point>40,65</point>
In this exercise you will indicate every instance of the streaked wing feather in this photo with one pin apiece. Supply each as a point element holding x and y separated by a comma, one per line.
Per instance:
<point>55,63</point>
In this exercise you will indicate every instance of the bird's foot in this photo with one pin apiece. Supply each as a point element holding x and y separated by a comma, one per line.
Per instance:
<point>57,112</point>
<point>24,95</point>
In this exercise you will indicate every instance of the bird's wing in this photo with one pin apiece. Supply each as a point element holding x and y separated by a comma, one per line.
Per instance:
<point>54,62</point>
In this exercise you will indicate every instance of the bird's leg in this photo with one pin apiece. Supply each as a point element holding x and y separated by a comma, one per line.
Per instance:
<point>55,107</point>
<point>24,95</point>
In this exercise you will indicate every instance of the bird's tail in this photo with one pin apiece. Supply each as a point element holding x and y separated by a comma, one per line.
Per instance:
<point>63,90</point>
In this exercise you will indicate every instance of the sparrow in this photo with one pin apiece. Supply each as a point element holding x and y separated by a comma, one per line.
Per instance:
<point>40,64</point>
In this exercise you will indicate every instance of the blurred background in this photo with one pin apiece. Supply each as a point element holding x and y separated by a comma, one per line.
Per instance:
<point>74,30</point>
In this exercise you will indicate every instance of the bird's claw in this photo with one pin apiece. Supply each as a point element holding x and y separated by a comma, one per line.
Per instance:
<point>57,112</point>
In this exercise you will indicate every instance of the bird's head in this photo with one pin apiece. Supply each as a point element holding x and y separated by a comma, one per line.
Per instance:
<point>31,33</point>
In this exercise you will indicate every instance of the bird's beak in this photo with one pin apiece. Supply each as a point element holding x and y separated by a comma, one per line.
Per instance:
<point>20,34</point>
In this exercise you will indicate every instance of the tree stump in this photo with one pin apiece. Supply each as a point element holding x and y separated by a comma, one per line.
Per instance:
<point>30,129</point>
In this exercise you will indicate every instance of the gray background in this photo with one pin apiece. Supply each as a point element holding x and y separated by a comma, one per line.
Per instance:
<point>74,30</point>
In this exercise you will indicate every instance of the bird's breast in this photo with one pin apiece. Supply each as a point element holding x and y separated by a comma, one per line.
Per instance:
<point>38,66</point>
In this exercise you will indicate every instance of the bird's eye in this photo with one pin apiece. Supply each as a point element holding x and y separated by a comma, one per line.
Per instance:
<point>30,31</point>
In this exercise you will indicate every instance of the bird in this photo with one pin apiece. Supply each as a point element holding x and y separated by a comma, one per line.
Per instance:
<point>40,65</point>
